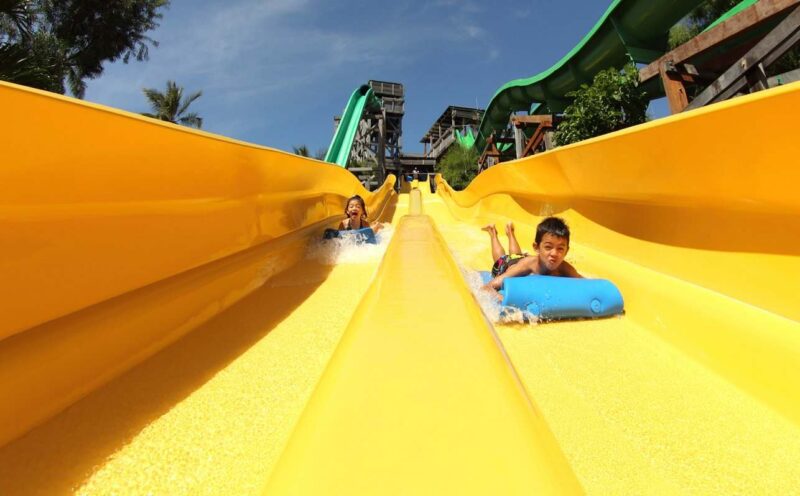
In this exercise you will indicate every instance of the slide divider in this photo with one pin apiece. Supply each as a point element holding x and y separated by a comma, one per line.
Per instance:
<point>420,406</point>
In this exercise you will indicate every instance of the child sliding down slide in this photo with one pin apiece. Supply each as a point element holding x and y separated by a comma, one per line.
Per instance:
<point>551,244</point>
<point>355,222</point>
<point>356,216</point>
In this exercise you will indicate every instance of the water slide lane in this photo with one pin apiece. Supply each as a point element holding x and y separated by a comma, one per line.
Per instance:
<point>633,411</point>
<point>113,252</point>
<point>695,386</point>
<point>339,149</point>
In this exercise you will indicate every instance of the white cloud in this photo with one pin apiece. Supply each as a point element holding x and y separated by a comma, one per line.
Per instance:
<point>273,52</point>
<point>474,31</point>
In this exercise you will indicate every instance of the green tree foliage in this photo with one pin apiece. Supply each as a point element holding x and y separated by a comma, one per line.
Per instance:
<point>681,33</point>
<point>459,166</point>
<point>22,60</point>
<point>52,44</point>
<point>614,101</point>
<point>171,106</point>
<point>704,15</point>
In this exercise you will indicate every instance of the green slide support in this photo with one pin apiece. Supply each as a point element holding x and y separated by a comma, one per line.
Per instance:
<point>635,30</point>
<point>342,141</point>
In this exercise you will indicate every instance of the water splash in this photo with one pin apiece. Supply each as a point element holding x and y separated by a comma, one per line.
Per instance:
<point>350,250</point>
<point>490,305</point>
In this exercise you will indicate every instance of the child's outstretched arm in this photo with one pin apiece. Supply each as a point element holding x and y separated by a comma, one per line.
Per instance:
<point>489,289</point>
<point>517,270</point>
<point>376,226</point>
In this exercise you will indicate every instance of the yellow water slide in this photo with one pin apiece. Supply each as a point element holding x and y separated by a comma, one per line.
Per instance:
<point>172,325</point>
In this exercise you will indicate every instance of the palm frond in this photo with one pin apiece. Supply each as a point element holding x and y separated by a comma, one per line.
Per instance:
<point>17,66</point>
<point>155,98</point>
<point>188,101</point>
<point>20,14</point>
<point>192,120</point>
<point>171,106</point>
<point>76,83</point>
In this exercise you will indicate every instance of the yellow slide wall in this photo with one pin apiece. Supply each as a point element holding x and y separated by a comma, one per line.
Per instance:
<point>120,233</point>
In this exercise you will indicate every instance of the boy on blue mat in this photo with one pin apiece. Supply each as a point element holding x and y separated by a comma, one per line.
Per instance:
<point>356,211</point>
<point>551,244</point>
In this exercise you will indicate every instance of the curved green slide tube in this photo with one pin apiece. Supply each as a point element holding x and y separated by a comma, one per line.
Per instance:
<point>635,30</point>
<point>342,142</point>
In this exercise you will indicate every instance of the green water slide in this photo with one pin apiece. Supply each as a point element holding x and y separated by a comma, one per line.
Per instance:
<point>635,30</point>
<point>342,142</point>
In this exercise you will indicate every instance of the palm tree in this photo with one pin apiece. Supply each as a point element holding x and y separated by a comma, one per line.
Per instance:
<point>301,150</point>
<point>171,106</point>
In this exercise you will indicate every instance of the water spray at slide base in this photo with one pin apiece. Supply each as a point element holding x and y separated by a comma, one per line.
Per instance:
<point>165,329</point>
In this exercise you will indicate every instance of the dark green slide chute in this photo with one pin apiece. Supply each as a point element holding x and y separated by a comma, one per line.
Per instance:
<point>339,150</point>
<point>635,30</point>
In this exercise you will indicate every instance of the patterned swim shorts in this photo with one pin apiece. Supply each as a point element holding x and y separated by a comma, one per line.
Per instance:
<point>503,263</point>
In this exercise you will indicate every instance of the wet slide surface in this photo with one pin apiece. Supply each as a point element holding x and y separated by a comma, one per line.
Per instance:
<point>633,414</point>
<point>212,413</point>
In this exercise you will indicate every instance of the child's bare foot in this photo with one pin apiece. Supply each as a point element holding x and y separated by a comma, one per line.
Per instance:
<point>489,228</point>
<point>509,229</point>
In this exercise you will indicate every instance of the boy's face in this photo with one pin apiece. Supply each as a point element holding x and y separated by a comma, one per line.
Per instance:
<point>552,250</point>
<point>354,209</point>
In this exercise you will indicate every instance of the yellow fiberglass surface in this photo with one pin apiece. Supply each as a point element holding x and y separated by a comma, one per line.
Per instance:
<point>169,326</point>
<point>120,234</point>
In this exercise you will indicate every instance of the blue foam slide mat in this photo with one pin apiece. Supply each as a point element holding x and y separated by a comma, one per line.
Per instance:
<point>363,235</point>
<point>549,297</point>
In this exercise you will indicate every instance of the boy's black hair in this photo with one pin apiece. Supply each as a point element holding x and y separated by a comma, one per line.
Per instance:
<point>553,225</point>
<point>360,201</point>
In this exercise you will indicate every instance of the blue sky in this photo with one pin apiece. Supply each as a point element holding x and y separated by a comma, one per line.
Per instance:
<point>275,72</point>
